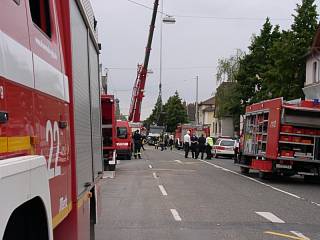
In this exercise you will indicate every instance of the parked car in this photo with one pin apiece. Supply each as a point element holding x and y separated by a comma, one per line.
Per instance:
<point>223,147</point>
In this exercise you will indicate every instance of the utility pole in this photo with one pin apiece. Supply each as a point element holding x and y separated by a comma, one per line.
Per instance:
<point>197,110</point>
<point>160,82</point>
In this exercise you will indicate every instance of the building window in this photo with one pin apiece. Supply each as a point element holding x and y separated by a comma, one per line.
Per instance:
<point>314,72</point>
<point>40,13</point>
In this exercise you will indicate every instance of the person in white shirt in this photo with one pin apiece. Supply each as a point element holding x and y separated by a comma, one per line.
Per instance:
<point>187,143</point>
<point>209,144</point>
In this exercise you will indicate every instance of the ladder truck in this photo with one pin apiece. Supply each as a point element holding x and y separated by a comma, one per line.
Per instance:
<point>138,89</point>
<point>50,120</point>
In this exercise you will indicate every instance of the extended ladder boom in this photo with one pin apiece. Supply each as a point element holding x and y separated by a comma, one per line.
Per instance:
<point>138,89</point>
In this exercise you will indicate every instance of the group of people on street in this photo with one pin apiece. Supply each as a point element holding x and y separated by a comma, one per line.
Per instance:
<point>197,145</point>
<point>164,141</point>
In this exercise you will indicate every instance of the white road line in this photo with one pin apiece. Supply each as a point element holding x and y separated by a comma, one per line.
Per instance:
<point>175,215</point>
<point>299,234</point>
<point>271,217</point>
<point>317,204</point>
<point>163,191</point>
<point>254,180</point>
<point>178,161</point>
<point>155,175</point>
<point>150,166</point>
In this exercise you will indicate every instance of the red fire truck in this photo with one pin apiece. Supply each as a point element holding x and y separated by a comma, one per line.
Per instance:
<point>50,121</point>
<point>282,138</point>
<point>108,132</point>
<point>124,144</point>
<point>182,129</point>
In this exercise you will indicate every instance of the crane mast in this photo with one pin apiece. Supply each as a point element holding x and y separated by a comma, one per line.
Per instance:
<point>138,89</point>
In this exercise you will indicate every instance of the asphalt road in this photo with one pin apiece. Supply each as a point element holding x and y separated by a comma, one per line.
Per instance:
<point>165,196</point>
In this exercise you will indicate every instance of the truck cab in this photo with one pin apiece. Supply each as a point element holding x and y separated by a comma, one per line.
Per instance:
<point>123,140</point>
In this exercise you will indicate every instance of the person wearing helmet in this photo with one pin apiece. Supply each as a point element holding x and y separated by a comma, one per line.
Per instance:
<point>137,144</point>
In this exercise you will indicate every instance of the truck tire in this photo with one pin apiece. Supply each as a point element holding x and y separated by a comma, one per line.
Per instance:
<point>264,175</point>
<point>129,156</point>
<point>310,179</point>
<point>244,170</point>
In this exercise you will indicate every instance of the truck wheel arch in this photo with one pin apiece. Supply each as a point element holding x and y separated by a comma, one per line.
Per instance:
<point>28,221</point>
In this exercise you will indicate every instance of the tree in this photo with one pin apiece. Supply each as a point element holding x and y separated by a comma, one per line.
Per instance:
<point>227,102</point>
<point>252,82</point>
<point>175,112</point>
<point>227,98</point>
<point>286,70</point>
<point>228,67</point>
<point>156,117</point>
<point>290,51</point>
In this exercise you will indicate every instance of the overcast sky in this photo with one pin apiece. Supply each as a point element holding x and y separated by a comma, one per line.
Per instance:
<point>191,47</point>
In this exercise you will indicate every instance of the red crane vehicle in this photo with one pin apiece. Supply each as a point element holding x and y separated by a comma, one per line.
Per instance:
<point>50,120</point>
<point>281,138</point>
<point>138,89</point>
<point>109,132</point>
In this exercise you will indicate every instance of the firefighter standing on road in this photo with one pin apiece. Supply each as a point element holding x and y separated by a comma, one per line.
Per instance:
<point>137,138</point>
<point>202,146</point>
<point>194,146</point>
<point>187,143</point>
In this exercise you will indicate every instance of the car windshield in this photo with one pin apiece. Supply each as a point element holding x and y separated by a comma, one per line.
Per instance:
<point>122,132</point>
<point>227,143</point>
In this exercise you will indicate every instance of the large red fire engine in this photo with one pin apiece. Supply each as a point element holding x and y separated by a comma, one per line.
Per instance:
<point>281,137</point>
<point>108,132</point>
<point>50,122</point>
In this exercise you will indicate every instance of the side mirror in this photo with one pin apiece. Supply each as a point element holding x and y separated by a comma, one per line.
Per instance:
<point>4,117</point>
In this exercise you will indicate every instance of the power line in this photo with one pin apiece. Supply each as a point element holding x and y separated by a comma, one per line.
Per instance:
<point>145,6</point>
<point>210,17</point>
<point>230,18</point>
<point>166,68</point>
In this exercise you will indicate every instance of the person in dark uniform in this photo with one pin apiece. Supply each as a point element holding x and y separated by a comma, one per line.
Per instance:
<point>201,146</point>
<point>194,146</point>
<point>171,142</point>
<point>137,138</point>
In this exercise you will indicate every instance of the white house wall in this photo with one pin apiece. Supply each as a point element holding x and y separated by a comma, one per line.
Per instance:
<point>309,69</point>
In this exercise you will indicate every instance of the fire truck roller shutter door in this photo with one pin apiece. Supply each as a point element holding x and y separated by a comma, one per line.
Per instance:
<point>82,105</point>
<point>95,109</point>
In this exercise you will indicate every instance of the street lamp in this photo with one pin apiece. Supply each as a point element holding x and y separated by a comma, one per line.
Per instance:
<point>167,20</point>
<point>197,91</point>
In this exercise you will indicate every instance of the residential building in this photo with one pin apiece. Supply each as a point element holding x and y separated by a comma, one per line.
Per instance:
<point>206,113</point>
<point>312,84</point>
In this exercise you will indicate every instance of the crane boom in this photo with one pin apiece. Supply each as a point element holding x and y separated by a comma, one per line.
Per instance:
<point>138,89</point>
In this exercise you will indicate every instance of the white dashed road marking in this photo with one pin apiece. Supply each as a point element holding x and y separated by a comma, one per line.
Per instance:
<point>163,191</point>
<point>299,234</point>
<point>155,175</point>
<point>175,215</point>
<point>178,161</point>
<point>271,217</point>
